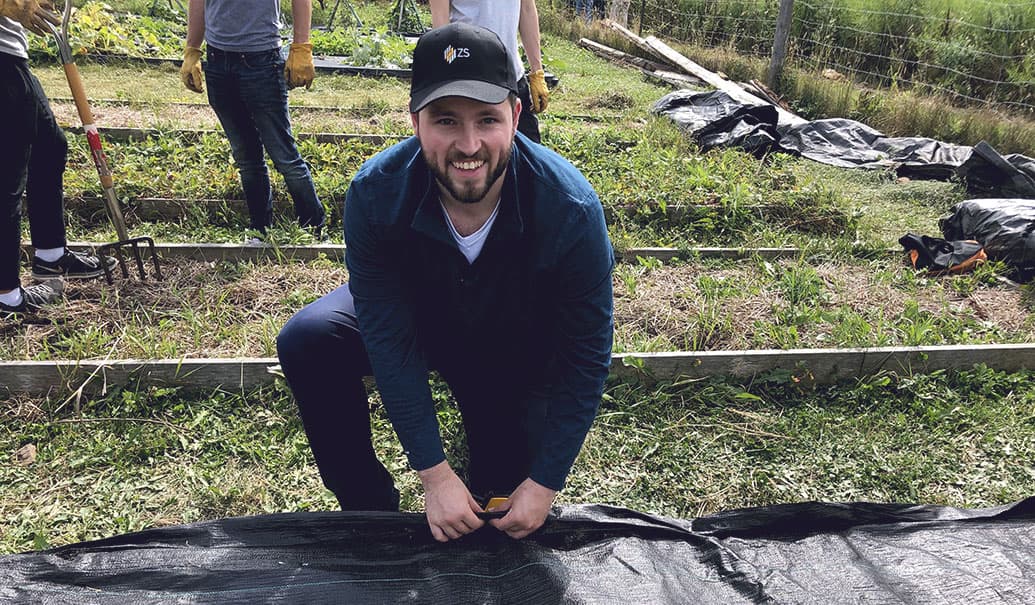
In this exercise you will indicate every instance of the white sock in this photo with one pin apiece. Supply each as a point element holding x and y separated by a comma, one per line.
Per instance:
<point>12,298</point>
<point>50,254</point>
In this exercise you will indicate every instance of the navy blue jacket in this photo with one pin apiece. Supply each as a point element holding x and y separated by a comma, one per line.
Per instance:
<point>534,309</point>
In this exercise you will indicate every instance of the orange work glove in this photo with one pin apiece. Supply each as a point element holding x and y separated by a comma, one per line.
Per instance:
<point>190,71</point>
<point>299,70</point>
<point>32,14</point>
<point>538,91</point>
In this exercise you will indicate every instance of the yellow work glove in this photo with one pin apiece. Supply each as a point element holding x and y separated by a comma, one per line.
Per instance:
<point>299,70</point>
<point>190,71</point>
<point>32,14</point>
<point>538,91</point>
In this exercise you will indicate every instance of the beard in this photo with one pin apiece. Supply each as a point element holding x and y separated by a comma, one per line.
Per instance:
<point>470,192</point>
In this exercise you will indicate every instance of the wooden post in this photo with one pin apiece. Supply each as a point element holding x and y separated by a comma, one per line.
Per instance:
<point>639,31</point>
<point>783,30</point>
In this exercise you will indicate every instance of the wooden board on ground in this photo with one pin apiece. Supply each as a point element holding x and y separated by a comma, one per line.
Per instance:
<point>140,134</point>
<point>806,366</point>
<point>239,252</point>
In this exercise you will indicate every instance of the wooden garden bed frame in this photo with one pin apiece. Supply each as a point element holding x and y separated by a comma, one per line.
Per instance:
<point>236,252</point>
<point>805,366</point>
<point>123,135</point>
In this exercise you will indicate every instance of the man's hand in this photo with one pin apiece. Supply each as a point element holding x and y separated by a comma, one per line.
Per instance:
<point>190,71</point>
<point>32,14</point>
<point>299,70</point>
<point>526,509</point>
<point>538,91</point>
<point>450,507</point>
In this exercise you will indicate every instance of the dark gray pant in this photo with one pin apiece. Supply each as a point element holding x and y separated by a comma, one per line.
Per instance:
<point>324,360</point>
<point>32,160</point>
<point>528,124</point>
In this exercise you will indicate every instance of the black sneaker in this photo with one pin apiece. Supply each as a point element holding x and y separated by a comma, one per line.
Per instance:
<point>36,297</point>
<point>73,265</point>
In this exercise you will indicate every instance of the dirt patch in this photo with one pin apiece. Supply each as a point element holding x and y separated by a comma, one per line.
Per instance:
<point>199,310</point>
<point>201,117</point>
<point>696,308</point>
<point>612,99</point>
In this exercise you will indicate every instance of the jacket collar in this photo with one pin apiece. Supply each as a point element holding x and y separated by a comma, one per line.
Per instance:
<point>428,219</point>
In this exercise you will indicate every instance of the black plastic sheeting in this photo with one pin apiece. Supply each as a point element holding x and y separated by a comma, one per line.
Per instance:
<point>1005,227</point>
<point>715,119</point>
<point>795,553</point>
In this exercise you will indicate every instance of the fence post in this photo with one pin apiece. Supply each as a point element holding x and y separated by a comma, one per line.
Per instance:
<point>783,30</point>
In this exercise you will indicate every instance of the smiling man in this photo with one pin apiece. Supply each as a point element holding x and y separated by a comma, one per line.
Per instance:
<point>479,254</point>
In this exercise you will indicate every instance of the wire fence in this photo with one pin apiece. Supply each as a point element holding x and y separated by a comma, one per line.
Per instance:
<point>974,51</point>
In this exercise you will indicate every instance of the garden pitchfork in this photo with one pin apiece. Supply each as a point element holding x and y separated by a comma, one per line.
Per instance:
<point>82,105</point>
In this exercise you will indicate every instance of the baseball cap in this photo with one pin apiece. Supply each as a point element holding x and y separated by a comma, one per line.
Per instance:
<point>460,60</point>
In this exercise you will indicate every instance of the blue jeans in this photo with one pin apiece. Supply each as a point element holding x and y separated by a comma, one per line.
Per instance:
<point>32,159</point>
<point>249,95</point>
<point>584,8</point>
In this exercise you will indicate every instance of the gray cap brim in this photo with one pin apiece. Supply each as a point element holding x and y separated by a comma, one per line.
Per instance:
<point>471,89</point>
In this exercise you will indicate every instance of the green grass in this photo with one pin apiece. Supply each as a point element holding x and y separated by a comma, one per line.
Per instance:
<point>141,459</point>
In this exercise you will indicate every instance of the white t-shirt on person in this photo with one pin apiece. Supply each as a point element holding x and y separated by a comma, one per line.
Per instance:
<point>471,245</point>
<point>12,38</point>
<point>499,16</point>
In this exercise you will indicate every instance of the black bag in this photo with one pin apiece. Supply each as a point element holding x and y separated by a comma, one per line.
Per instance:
<point>940,256</point>
<point>1003,226</point>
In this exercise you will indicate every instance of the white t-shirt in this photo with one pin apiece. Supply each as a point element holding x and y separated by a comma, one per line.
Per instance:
<point>499,16</point>
<point>471,245</point>
<point>12,38</point>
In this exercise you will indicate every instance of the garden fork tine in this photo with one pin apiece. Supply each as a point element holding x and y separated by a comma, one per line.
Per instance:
<point>82,105</point>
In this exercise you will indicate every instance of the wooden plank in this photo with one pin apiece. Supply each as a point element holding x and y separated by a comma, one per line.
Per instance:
<point>666,254</point>
<point>140,134</point>
<point>42,378</point>
<point>176,209</point>
<point>823,366</point>
<point>731,88</point>
<point>351,111</point>
<point>324,64</point>
<point>808,366</point>
<point>613,54</point>
<point>238,252</point>
<point>641,43</point>
<point>674,79</point>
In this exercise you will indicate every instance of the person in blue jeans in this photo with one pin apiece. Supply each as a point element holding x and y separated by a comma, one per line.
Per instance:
<point>584,8</point>
<point>475,252</point>
<point>32,163</point>
<point>248,82</point>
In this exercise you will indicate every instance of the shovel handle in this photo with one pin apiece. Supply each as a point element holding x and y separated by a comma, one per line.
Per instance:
<point>82,105</point>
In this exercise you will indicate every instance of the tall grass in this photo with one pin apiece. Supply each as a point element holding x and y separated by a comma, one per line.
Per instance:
<point>895,110</point>
<point>973,51</point>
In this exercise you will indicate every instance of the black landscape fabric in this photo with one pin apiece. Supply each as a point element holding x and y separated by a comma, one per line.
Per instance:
<point>1005,227</point>
<point>715,119</point>
<point>794,553</point>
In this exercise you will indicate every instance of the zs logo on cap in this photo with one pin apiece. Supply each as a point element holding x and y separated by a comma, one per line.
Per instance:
<point>452,54</point>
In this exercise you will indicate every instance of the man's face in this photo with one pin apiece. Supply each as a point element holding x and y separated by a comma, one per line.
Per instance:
<point>467,145</point>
